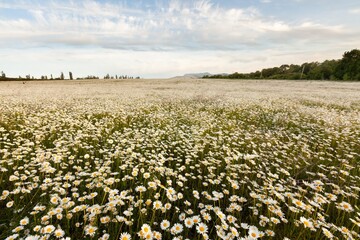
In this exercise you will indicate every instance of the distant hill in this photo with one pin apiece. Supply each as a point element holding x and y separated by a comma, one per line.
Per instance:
<point>199,75</point>
<point>196,75</point>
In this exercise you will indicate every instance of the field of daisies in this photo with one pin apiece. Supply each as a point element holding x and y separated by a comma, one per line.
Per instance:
<point>179,159</point>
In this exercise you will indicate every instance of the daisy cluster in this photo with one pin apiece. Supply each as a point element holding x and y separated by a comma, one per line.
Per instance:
<point>100,168</point>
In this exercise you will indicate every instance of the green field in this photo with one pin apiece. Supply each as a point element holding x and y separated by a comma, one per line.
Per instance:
<point>179,159</point>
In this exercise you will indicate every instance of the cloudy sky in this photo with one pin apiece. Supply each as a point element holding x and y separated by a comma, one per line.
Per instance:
<point>158,38</point>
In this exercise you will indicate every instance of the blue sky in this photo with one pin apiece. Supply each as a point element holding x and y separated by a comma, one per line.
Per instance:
<point>158,38</point>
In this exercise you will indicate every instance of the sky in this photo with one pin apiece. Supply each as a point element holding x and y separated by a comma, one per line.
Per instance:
<point>160,39</point>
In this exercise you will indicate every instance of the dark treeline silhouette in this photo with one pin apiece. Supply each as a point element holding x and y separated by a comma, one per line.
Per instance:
<point>61,77</point>
<point>347,68</point>
<point>88,77</point>
<point>29,77</point>
<point>107,76</point>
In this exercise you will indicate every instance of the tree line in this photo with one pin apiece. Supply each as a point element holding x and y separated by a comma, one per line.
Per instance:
<point>107,76</point>
<point>29,77</point>
<point>62,77</point>
<point>347,68</point>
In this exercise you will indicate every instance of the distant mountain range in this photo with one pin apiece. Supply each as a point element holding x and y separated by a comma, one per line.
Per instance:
<point>199,75</point>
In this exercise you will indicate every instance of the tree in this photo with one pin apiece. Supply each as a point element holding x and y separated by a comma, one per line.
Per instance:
<point>62,76</point>
<point>284,68</point>
<point>3,75</point>
<point>269,72</point>
<point>293,68</point>
<point>70,76</point>
<point>349,66</point>
<point>328,69</point>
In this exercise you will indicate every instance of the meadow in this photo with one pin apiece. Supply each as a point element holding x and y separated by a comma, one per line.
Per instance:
<point>179,159</point>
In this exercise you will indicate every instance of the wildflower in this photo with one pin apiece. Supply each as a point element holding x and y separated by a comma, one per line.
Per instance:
<point>48,229</point>
<point>24,221</point>
<point>231,219</point>
<point>157,205</point>
<point>170,191</point>
<point>345,206</point>
<point>234,232</point>
<point>125,236</point>
<point>145,228</point>
<point>54,200</point>
<point>152,185</point>
<point>275,220</point>
<point>344,230</point>
<point>307,223</point>
<point>148,236</point>
<point>182,217</point>
<point>148,202</point>
<point>201,228</point>
<point>221,215</point>
<point>59,233</point>
<point>106,236</point>
<point>206,217</point>
<point>332,197</point>
<point>165,224</point>
<point>157,235</point>
<point>253,232</point>
<point>299,203</point>
<point>5,193</point>
<point>356,222</point>
<point>140,189</point>
<point>270,233</point>
<point>177,228</point>
<point>18,229</point>
<point>327,233</point>
<point>9,204</point>
<point>105,219</point>
<point>12,237</point>
<point>37,228</point>
<point>188,222</point>
<point>90,230</point>
<point>196,219</point>
<point>13,178</point>
<point>244,225</point>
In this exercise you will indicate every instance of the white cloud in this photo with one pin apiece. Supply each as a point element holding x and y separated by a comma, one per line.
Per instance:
<point>176,25</point>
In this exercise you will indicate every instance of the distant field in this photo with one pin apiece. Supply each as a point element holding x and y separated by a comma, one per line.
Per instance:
<point>179,159</point>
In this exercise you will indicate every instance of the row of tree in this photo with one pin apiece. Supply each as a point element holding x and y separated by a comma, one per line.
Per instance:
<point>43,77</point>
<point>62,77</point>
<point>107,76</point>
<point>347,68</point>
